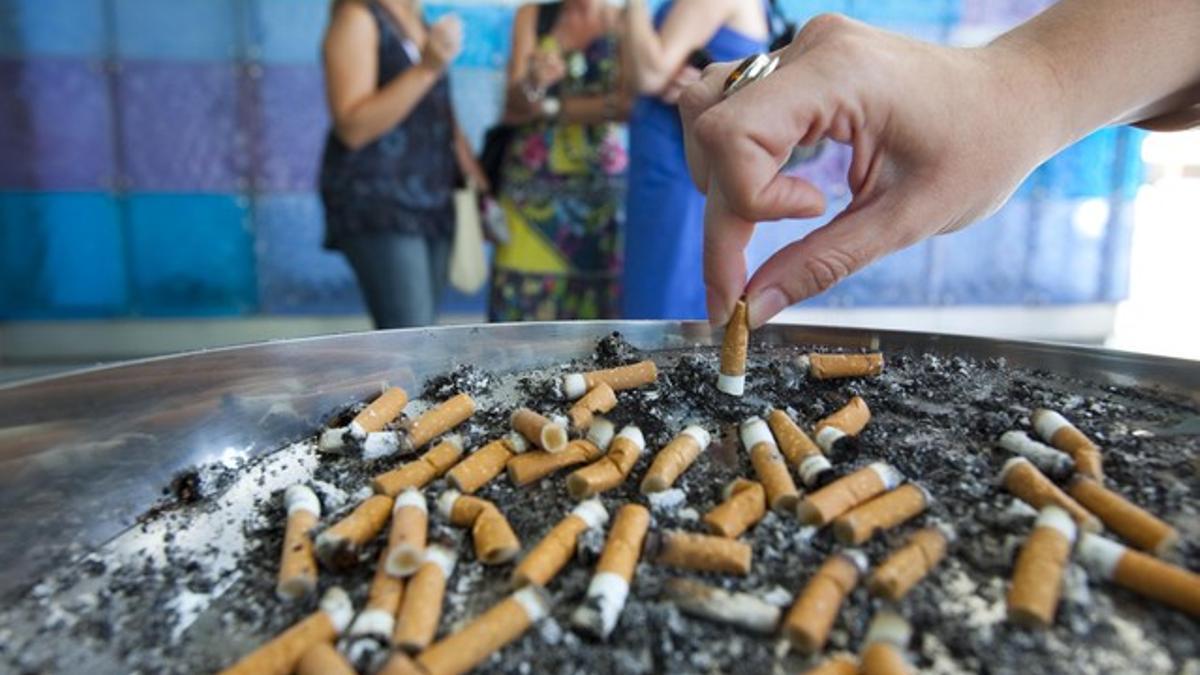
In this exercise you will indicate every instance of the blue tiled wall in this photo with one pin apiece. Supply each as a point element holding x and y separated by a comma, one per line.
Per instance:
<point>159,158</point>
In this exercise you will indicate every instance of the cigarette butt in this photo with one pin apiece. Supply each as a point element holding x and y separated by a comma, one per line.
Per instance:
<point>811,617</point>
<point>799,449</point>
<point>494,540</point>
<point>881,513</point>
<point>544,433</point>
<point>1054,463</point>
<point>421,611</point>
<point>742,610</point>
<point>334,441</point>
<point>555,549</point>
<point>768,464</point>
<point>438,420</point>
<point>599,399</point>
<point>745,504</point>
<point>410,527</point>
<point>420,472</point>
<point>847,422</point>
<point>732,378</point>
<point>383,595</point>
<point>705,553</point>
<point>375,416</point>
<point>338,546</point>
<point>1131,522</point>
<point>1037,577</point>
<point>400,663</point>
<point>843,664</point>
<point>620,379</point>
<point>480,467</point>
<point>1020,477</point>
<point>323,659</point>
<point>1141,573</point>
<point>908,564</point>
<point>527,467</point>
<point>884,645</point>
<point>609,587</point>
<point>610,470</point>
<point>675,458</point>
<point>281,654</point>
<point>847,492</point>
<point>832,366</point>
<point>298,565</point>
<point>1057,431</point>
<point>486,634</point>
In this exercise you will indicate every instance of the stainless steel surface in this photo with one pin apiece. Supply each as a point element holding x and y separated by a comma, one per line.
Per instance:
<point>83,455</point>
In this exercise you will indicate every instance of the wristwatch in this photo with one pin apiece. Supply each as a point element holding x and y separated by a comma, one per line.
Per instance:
<point>551,106</point>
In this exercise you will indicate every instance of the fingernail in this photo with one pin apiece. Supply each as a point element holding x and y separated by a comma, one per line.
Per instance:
<point>765,304</point>
<point>718,312</point>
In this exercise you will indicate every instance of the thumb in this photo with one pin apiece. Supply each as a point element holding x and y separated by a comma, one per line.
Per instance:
<point>857,236</point>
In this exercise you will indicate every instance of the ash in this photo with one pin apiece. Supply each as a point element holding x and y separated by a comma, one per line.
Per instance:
<point>191,588</point>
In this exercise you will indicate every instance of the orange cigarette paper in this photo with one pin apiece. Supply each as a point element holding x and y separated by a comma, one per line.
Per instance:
<point>338,546</point>
<point>908,565</point>
<point>421,611</point>
<point>323,659</point>
<point>421,471</point>
<point>610,470</point>
<point>382,410</point>
<point>850,419</point>
<point>745,505</point>
<point>620,378</point>
<point>1037,577</point>
<point>705,553</point>
<point>486,634</point>
<point>281,654</point>
<point>674,459</point>
<point>554,551</point>
<point>298,564</point>
<point>539,430</point>
<point>843,494</point>
<point>838,665</point>
<point>440,419</point>
<point>1133,523</point>
<point>400,663</point>
<point>811,617</point>
<point>599,399</point>
<point>527,467</point>
<point>881,513</point>
<point>480,467</point>
<point>1031,486</point>
<point>1057,431</point>
<point>830,366</point>
<point>732,376</point>
<point>1169,584</point>
<point>793,442</point>
<point>881,658</point>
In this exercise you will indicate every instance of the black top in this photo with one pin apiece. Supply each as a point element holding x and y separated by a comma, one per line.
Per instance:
<point>403,181</point>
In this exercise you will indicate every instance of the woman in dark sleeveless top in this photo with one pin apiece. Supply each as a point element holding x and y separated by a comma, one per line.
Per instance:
<point>393,155</point>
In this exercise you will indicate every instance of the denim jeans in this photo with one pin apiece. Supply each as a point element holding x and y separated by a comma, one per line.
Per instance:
<point>402,276</point>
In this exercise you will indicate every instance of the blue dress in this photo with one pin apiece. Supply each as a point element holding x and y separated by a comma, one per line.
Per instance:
<point>664,217</point>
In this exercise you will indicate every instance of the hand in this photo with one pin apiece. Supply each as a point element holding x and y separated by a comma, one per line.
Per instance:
<point>686,77</point>
<point>940,138</point>
<point>546,68</point>
<point>443,43</point>
<point>475,176</point>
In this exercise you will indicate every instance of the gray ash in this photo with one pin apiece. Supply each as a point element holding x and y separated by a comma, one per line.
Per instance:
<point>933,417</point>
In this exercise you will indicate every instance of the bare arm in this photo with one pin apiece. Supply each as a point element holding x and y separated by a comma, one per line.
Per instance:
<point>658,56</point>
<point>941,137</point>
<point>361,112</point>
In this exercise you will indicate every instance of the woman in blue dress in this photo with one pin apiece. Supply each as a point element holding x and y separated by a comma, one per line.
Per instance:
<point>664,220</point>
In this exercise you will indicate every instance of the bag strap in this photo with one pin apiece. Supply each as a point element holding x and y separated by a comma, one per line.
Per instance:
<point>781,30</point>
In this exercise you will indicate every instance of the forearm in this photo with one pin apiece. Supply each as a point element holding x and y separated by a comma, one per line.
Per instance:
<point>647,57</point>
<point>596,109</point>
<point>1101,62</point>
<point>380,112</point>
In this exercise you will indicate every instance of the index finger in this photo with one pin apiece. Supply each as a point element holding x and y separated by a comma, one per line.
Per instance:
<point>695,99</point>
<point>726,235</point>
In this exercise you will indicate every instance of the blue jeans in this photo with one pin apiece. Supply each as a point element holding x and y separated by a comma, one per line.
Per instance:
<point>402,276</point>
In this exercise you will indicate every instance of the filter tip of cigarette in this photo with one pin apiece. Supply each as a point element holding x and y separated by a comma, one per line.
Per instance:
<point>803,363</point>
<point>300,497</point>
<point>554,437</point>
<point>858,558</point>
<point>410,497</point>
<point>652,484</point>
<point>734,385</point>
<point>754,431</point>
<point>380,444</point>
<point>578,486</point>
<point>453,439</point>
<point>1099,555</point>
<point>295,588</point>
<point>517,443</point>
<point>374,622</point>
<point>446,502</point>
<point>889,627</point>
<point>889,474</point>
<point>337,605</point>
<point>1010,465</point>
<point>634,435</point>
<point>592,512</point>
<point>443,556</point>
<point>700,434</point>
<point>403,560</point>
<point>574,385</point>
<point>601,432</point>
<point>535,601</point>
<point>1057,518</point>
<point>333,441</point>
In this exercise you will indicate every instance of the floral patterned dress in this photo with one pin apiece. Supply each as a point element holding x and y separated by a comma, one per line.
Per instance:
<point>563,195</point>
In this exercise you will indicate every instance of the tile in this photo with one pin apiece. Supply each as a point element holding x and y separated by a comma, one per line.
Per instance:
<point>177,30</point>
<point>295,274</point>
<point>287,31</point>
<point>292,122</point>
<point>181,127</point>
<point>55,126</point>
<point>191,255</point>
<point>61,255</point>
<point>32,28</point>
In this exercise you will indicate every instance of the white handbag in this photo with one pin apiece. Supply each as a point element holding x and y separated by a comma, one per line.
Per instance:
<point>468,261</point>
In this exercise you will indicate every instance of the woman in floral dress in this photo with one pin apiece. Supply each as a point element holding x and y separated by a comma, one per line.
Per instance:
<point>562,182</point>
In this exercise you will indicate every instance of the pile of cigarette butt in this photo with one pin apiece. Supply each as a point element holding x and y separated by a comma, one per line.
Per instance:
<point>795,476</point>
